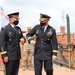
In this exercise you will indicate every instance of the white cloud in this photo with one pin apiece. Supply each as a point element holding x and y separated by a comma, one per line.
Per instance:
<point>1,2</point>
<point>30,10</point>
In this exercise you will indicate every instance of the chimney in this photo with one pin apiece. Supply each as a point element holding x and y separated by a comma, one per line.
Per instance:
<point>62,29</point>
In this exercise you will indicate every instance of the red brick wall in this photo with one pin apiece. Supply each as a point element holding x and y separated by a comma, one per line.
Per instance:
<point>1,62</point>
<point>63,38</point>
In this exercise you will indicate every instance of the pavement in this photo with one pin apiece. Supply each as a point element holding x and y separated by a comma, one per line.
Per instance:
<point>58,70</point>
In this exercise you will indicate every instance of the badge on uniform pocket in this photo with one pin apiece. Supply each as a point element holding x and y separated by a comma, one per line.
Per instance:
<point>9,34</point>
<point>49,33</point>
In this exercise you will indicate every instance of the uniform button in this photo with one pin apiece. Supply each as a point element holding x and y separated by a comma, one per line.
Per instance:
<point>17,42</point>
<point>42,38</point>
<point>48,39</point>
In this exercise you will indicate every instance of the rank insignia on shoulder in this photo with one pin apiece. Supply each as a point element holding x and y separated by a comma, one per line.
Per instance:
<point>4,27</point>
<point>54,29</point>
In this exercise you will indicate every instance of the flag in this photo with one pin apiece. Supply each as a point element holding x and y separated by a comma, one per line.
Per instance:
<point>3,13</point>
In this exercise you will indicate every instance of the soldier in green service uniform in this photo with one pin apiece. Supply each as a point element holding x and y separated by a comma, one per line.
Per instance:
<point>27,54</point>
<point>46,45</point>
<point>10,36</point>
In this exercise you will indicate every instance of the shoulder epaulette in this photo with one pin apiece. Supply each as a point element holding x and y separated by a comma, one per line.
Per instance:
<point>4,27</point>
<point>54,29</point>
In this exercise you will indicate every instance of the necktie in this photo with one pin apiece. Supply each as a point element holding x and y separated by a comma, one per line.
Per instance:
<point>15,28</point>
<point>43,28</point>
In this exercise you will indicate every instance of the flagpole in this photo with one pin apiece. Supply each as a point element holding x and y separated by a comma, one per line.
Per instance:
<point>0,22</point>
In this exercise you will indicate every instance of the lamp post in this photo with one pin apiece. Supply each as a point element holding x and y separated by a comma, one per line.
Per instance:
<point>68,40</point>
<point>68,28</point>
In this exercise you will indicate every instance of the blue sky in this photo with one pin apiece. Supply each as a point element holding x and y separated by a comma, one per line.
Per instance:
<point>30,12</point>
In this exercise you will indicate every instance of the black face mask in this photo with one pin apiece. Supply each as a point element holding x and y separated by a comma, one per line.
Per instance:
<point>16,22</point>
<point>42,24</point>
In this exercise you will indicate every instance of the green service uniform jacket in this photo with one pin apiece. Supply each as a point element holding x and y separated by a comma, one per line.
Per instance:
<point>46,42</point>
<point>9,41</point>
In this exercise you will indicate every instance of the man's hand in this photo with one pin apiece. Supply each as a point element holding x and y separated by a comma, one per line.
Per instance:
<point>5,59</point>
<point>32,42</point>
<point>54,57</point>
<point>22,40</point>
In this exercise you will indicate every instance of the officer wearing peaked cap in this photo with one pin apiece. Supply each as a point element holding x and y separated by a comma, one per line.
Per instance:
<point>16,15</point>
<point>45,46</point>
<point>11,35</point>
<point>44,16</point>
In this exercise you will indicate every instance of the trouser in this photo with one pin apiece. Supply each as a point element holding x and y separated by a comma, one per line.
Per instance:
<point>12,67</point>
<point>47,66</point>
<point>27,58</point>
